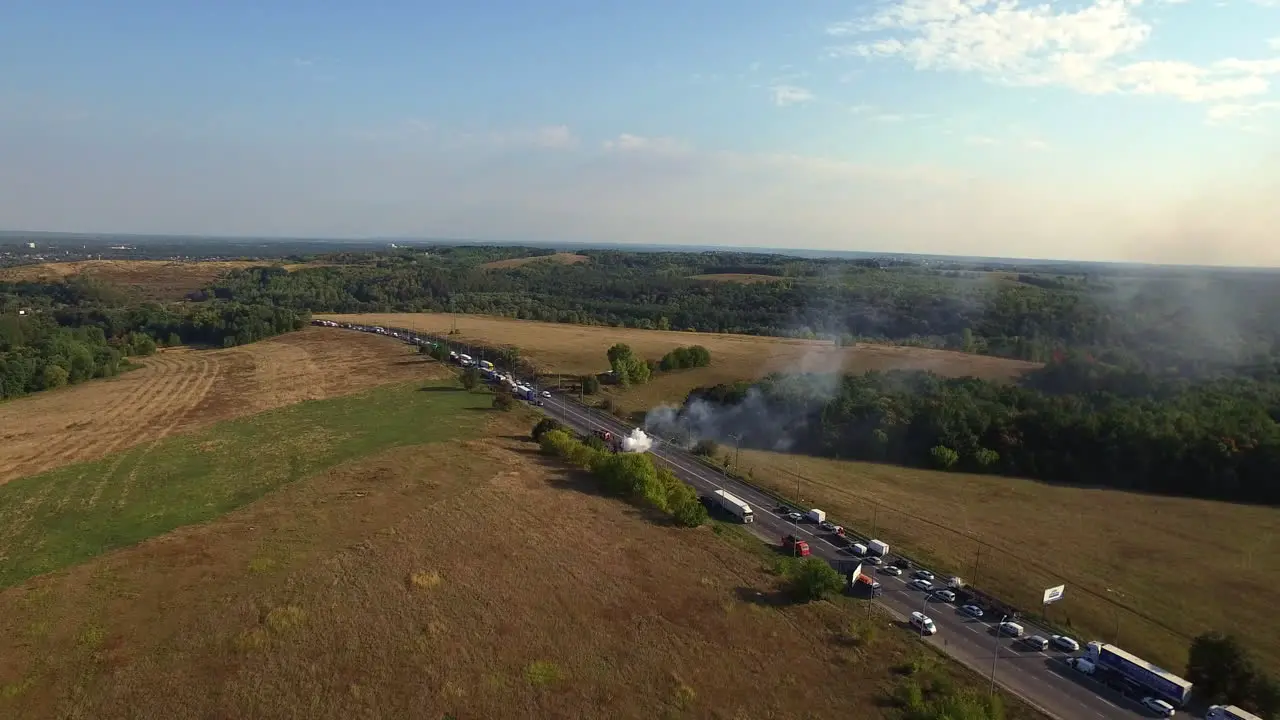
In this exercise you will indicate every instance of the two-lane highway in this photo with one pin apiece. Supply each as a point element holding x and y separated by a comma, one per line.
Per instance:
<point>1041,677</point>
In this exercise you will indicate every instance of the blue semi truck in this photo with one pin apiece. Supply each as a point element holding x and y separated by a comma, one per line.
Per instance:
<point>1133,671</point>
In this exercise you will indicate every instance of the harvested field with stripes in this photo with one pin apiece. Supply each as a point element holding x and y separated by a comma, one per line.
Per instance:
<point>182,390</point>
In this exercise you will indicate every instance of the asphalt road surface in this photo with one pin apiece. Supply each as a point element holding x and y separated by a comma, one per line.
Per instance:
<point>1040,677</point>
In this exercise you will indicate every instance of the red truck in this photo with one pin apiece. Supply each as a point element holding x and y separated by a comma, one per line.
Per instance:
<point>795,545</point>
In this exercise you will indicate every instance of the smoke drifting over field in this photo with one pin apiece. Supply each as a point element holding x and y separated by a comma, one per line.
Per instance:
<point>757,420</point>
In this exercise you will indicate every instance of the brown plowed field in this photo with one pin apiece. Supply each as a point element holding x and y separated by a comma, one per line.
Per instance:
<point>181,389</point>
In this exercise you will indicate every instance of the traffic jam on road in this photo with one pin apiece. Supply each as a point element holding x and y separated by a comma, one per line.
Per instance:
<point>1127,684</point>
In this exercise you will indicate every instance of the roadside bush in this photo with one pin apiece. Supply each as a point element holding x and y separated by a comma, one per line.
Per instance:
<point>706,448</point>
<point>628,475</point>
<point>813,579</point>
<point>503,401</point>
<point>590,385</point>
<point>681,358</point>
<point>470,378</point>
<point>544,425</point>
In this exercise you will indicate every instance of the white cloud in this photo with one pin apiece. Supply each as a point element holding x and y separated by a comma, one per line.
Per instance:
<point>785,95</point>
<point>628,143</point>
<point>1274,43</point>
<point>1254,117</point>
<point>981,140</point>
<point>1089,49</point>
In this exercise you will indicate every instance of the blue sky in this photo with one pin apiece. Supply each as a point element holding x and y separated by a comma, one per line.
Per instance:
<point>1108,130</point>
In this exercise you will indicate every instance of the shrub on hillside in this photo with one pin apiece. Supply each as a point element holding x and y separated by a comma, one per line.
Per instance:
<point>544,425</point>
<point>681,358</point>
<point>813,579</point>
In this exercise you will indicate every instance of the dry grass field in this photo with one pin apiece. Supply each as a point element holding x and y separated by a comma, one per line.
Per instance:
<point>1193,564</point>
<point>153,279</point>
<point>744,278</point>
<point>563,258</point>
<point>463,578</point>
<point>180,390</point>
<point>580,349</point>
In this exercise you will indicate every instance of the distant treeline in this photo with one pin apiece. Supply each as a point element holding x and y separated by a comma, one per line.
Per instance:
<point>64,333</point>
<point>1077,421</point>
<point>1194,323</point>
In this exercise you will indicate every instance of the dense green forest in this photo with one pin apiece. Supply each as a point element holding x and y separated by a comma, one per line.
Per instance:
<point>1076,421</point>
<point>1166,320</point>
<point>54,334</point>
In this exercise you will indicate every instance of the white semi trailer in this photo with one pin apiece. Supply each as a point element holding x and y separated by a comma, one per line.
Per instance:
<point>735,505</point>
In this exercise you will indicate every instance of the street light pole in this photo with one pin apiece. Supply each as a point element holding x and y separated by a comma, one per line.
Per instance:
<point>996,655</point>
<point>923,605</point>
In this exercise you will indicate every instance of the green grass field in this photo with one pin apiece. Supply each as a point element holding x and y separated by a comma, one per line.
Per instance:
<point>63,517</point>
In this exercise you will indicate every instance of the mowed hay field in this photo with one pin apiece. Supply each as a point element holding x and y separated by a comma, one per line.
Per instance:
<point>562,258</point>
<point>580,349</point>
<point>1194,565</point>
<point>181,390</point>
<point>152,279</point>
<point>430,575</point>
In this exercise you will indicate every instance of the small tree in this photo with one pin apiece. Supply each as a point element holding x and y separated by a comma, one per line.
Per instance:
<point>689,513</point>
<point>503,401</point>
<point>706,448</point>
<point>53,376</point>
<point>1221,669</point>
<point>544,425</point>
<point>470,378</point>
<point>440,352</point>
<point>813,579</point>
<point>986,457</point>
<point>590,385</point>
<point>944,457</point>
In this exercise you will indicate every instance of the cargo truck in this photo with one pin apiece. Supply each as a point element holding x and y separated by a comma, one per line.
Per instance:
<point>1129,669</point>
<point>795,545</point>
<point>815,515</point>
<point>1229,712</point>
<point>734,505</point>
<point>875,547</point>
<point>871,585</point>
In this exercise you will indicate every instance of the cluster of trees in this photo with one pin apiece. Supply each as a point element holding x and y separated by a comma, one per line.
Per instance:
<point>628,368</point>
<point>629,475</point>
<point>1188,321</point>
<point>1076,422</point>
<point>1224,673</point>
<point>54,334</point>
<point>693,356</point>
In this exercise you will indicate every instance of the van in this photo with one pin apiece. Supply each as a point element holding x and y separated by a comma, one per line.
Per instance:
<point>1010,628</point>
<point>924,623</point>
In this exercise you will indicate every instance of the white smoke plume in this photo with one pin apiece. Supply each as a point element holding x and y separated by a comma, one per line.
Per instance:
<point>637,442</point>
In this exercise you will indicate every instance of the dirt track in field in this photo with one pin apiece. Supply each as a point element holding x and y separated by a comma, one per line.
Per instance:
<point>181,390</point>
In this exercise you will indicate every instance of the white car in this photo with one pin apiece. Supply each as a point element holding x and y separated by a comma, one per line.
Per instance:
<point>1156,705</point>
<point>891,570</point>
<point>971,610</point>
<point>924,623</point>
<point>794,517</point>
<point>1010,628</point>
<point>1064,643</point>
<point>945,596</point>
<point>546,393</point>
<point>923,575</point>
<point>919,584</point>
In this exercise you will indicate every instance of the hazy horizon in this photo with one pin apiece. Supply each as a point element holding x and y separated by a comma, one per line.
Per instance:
<point>1106,131</point>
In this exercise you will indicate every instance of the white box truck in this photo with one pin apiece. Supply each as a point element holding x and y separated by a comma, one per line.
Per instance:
<point>876,547</point>
<point>815,515</point>
<point>858,549</point>
<point>735,506</point>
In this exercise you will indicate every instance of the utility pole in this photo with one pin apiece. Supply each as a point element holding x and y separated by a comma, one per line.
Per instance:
<point>996,654</point>
<point>977,558</point>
